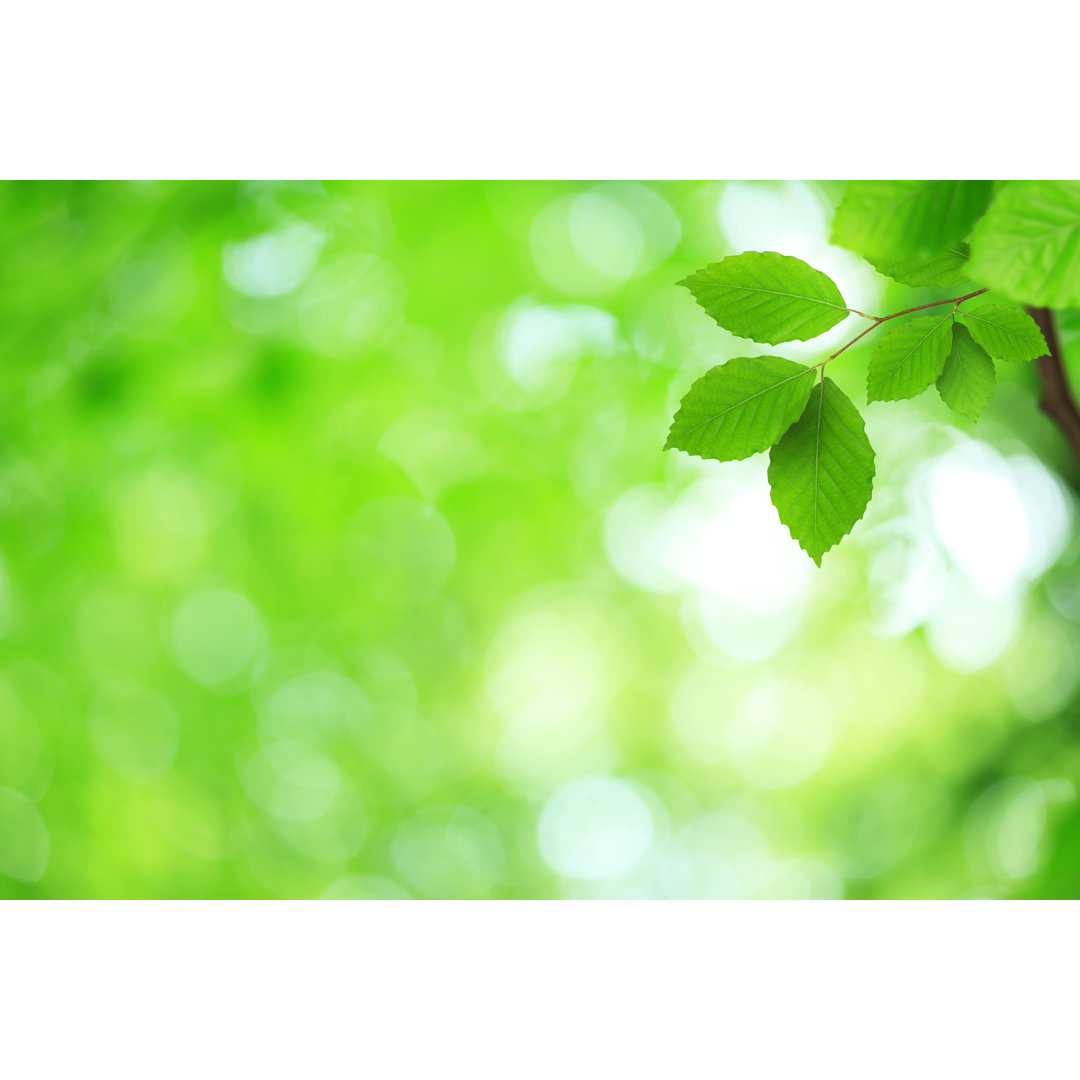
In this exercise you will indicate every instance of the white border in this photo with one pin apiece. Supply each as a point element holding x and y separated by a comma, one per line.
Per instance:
<point>558,989</point>
<point>569,88</point>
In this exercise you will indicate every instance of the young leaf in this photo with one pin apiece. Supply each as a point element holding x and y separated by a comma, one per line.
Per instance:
<point>768,297</point>
<point>967,382</point>
<point>942,271</point>
<point>1028,244</point>
<point>1005,332</point>
<point>740,408</point>
<point>908,359</point>
<point>898,219</point>
<point>821,472</point>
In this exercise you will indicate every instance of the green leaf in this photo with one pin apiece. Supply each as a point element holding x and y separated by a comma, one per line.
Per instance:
<point>1028,244</point>
<point>768,297</point>
<point>908,359</point>
<point>967,383</point>
<point>821,472</point>
<point>897,219</point>
<point>942,271</point>
<point>740,408</point>
<point>1005,332</point>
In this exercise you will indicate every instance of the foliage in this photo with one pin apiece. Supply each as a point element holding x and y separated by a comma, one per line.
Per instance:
<point>1028,244</point>
<point>822,470</point>
<point>967,381</point>
<point>768,297</point>
<point>909,358</point>
<point>1023,244</point>
<point>1005,332</point>
<point>741,408</point>
<point>900,219</point>
<point>948,268</point>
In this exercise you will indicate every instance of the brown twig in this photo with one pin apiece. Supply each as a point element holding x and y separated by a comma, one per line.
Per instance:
<point>958,300</point>
<point>1057,399</point>
<point>879,319</point>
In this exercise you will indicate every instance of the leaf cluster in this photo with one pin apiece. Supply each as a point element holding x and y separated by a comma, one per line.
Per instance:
<point>1020,239</point>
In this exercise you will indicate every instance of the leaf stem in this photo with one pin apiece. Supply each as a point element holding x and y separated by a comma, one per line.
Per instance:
<point>877,323</point>
<point>956,301</point>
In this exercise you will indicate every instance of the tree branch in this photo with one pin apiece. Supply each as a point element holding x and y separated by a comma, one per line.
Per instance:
<point>1056,399</point>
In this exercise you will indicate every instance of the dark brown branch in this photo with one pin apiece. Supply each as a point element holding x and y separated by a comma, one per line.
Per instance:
<point>1057,399</point>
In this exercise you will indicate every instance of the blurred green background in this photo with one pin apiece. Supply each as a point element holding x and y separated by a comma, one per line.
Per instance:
<point>339,558</point>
